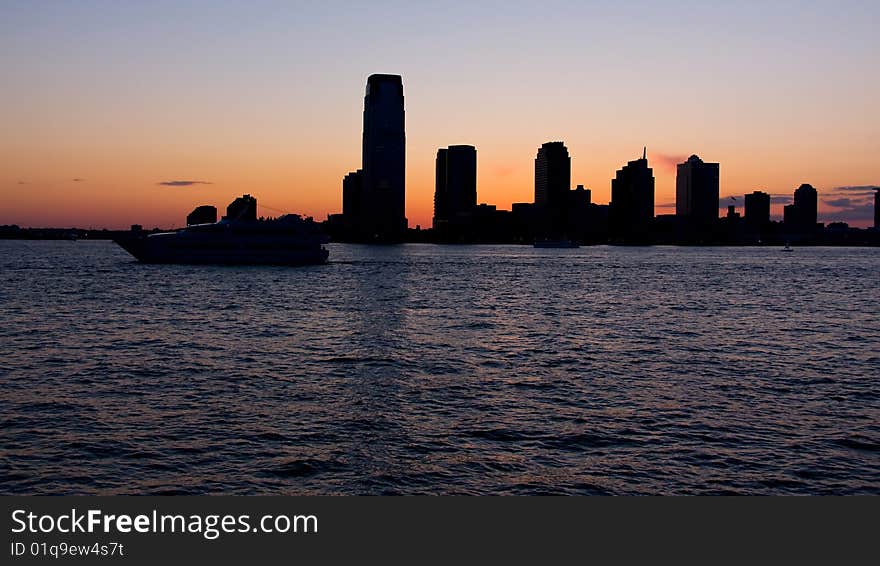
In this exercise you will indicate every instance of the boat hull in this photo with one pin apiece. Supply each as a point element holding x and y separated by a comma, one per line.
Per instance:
<point>179,251</point>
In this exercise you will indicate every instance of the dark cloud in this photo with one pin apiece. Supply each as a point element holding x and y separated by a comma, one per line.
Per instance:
<point>22,182</point>
<point>838,202</point>
<point>852,203</point>
<point>781,199</point>
<point>863,190</point>
<point>849,196</point>
<point>78,180</point>
<point>182,183</point>
<point>853,213</point>
<point>665,205</point>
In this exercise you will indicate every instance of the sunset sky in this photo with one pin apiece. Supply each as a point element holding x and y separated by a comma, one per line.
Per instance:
<point>115,113</point>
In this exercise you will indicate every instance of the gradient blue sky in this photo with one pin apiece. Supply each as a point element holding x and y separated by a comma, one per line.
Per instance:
<point>266,98</point>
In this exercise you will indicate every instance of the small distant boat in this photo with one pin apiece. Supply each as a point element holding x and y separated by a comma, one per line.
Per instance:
<point>556,244</point>
<point>787,248</point>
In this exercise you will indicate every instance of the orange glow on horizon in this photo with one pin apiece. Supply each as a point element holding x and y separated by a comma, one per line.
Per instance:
<point>106,200</point>
<point>299,167</point>
<point>129,97</point>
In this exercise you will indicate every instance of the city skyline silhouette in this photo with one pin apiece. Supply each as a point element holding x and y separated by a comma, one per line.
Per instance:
<point>108,124</point>
<point>394,248</point>
<point>373,202</point>
<point>373,199</point>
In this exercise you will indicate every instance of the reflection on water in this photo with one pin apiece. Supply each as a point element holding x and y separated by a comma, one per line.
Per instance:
<point>428,369</point>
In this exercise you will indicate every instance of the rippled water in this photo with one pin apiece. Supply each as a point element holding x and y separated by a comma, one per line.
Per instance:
<point>428,369</point>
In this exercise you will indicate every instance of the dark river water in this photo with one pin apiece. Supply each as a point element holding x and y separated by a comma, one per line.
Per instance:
<point>429,369</point>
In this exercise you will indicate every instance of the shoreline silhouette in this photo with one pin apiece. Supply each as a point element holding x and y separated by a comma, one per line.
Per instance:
<point>374,201</point>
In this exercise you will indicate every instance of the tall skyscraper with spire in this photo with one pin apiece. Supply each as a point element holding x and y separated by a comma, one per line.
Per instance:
<point>384,160</point>
<point>632,199</point>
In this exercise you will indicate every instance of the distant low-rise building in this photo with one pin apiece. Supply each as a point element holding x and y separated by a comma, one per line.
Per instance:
<point>205,214</point>
<point>580,196</point>
<point>757,208</point>
<point>732,214</point>
<point>243,209</point>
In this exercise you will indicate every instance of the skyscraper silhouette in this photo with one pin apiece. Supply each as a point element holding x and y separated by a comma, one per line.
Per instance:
<point>757,208</point>
<point>455,189</point>
<point>384,160</point>
<point>877,209</point>
<point>632,199</point>
<point>552,175</point>
<point>353,197</point>
<point>802,215</point>
<point>441,197</point>
<point>807,199</point>
<point>697,191</point>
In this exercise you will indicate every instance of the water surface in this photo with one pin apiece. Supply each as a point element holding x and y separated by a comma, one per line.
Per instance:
<point>431,369</point>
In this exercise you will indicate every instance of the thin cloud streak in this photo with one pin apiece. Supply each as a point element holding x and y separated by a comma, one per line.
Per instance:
<point>856,189</point>
<point>855,213</point>
<point>838,202</point>
<point>182,183</point>
<point>781,199</point>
